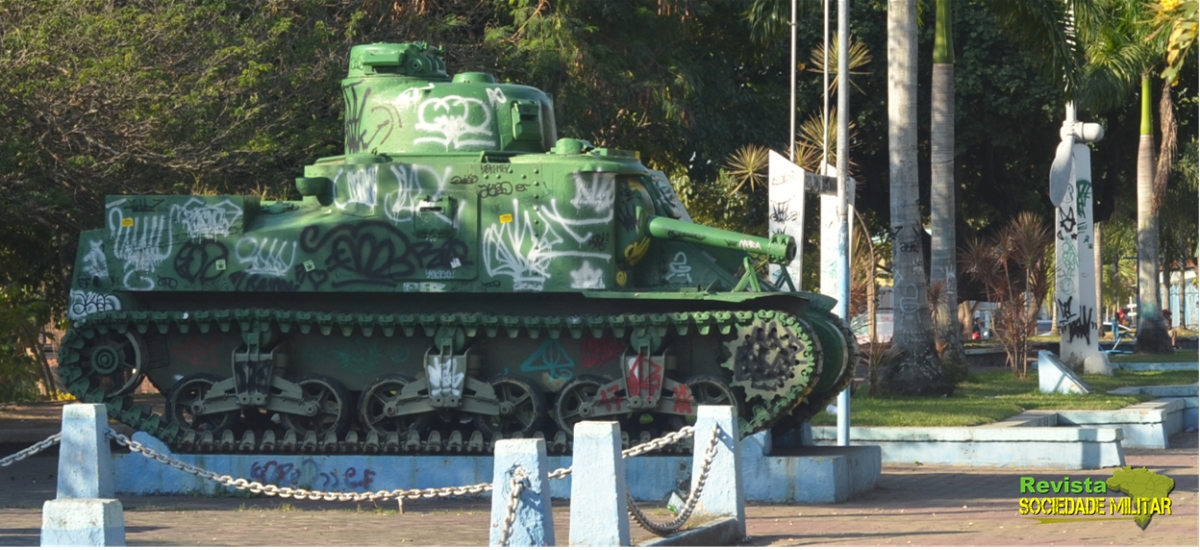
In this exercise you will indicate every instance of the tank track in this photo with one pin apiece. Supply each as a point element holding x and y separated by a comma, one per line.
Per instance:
<point>121,407</point>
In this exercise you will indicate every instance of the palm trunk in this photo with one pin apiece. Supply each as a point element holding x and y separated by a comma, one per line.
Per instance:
<point>1152,334</point>
<point>1098,266</point>
<point>916,370</point>
<point>942,254</point>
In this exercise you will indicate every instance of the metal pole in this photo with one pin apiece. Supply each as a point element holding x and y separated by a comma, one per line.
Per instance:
<point>792,135</point>
<point>825,98</point>
<point>799,282</point>
<point>843,165</point>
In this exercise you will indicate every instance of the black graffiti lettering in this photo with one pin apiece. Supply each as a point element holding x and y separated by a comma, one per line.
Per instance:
<point>440,256</point>
<point>685,236</point>
<point>497,189</point>
<point>315,278</point>
<point>377,253</point>
<point>464,180</point>
<point>1066,225</point>
<point>83,282</point>
<point>253,282</point>
<point>496,169</point>
<point>197,262</point>
<point>145,205</point>
<point>780,214</point>
<point>909,246</point>
<point>627,219</point>
<point>359,137</point>
<point>599,241</point>
<point>491,284</point>
<point>168,283</point>
<point>1075,326</point>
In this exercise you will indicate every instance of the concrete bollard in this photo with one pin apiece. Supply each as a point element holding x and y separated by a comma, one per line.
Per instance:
<point>722,494</point>
<point>599,516</point>
<point>84,512</point>
<point>534,523</point>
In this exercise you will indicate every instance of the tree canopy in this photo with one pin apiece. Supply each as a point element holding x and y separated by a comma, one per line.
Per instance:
<point>206,96</point>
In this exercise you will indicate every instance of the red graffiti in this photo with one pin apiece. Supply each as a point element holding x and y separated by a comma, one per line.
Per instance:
<point>683,399</point>
<point>598,351</point>
<point>194,350</point>
<point>647,383</point>
<point>609,396</point>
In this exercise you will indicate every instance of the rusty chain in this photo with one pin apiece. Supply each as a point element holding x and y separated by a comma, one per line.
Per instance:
<point>663,529</point>
<point>298,493</point>
<point>517,484</point>
<point>32,450</point>
<point>517,481</point>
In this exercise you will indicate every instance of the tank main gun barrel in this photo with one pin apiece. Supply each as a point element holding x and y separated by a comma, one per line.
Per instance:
<point>779,249</point>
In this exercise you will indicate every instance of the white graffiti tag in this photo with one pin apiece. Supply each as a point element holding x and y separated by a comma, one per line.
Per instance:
<point>444,376</point>
<point>496,97</point>
<point>355,186</point>
<point>266,255</point>
<point>523,251</point>
<point>595,192</point>
<point>460,122</point>
<point>84,303</point>
<point>587,277</point>
<point>679,269</point>
<point>141,243</point>
<point>95,262</point>
<point>402,204</point>
<point>202,220</point>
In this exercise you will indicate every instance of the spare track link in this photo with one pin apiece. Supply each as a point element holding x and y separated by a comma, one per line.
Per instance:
<point>754,417</point>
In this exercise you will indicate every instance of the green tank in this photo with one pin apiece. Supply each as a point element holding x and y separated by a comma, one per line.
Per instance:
<point>459,275</point>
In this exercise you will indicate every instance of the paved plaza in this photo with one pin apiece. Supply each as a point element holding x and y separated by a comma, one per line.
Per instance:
<point>913,505</point>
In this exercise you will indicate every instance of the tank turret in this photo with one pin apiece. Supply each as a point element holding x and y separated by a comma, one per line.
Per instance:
<point>459,273</point>
<point>399,99</point>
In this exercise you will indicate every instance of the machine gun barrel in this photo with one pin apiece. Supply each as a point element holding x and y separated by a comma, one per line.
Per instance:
<point>780,249</point>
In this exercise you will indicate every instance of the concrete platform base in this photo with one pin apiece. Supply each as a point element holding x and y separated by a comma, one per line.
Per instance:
<point>83,522</point>
<point>1037,447</point>
<point>813,475</point>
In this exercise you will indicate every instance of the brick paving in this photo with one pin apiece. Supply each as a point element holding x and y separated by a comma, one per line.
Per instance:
<point>913,505</point>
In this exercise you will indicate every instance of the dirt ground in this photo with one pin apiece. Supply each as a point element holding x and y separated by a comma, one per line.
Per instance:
<point>912,505</point>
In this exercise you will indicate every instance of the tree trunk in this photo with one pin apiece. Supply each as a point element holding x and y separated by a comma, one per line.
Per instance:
<point>942,253</point>
<point>1152,334</point>
<point>1098,266</point>
<point>916,369</point>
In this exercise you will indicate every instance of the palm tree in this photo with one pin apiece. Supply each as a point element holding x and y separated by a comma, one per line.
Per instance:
<point>916,368</point>
<point>1122,51</point>
<point>943,268</point>
<point>1102,50</point>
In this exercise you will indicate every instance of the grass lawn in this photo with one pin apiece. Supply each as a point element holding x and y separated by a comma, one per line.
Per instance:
<point>1190,356</point>
<point>994,396</point>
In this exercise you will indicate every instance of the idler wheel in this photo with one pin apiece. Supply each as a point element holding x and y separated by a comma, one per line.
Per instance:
<point>185,402</point>
<point>705,390</point>
<point>331,401</point>
<point>521,407</point>
<point>576,400</point>
<point>377,407</point>
<point>113,362</point>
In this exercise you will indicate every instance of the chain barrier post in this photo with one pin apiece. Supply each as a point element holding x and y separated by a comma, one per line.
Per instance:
<point>532,523</point>
<point>599,515</point>
<point>84,513</point>
<point>723,495</point>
